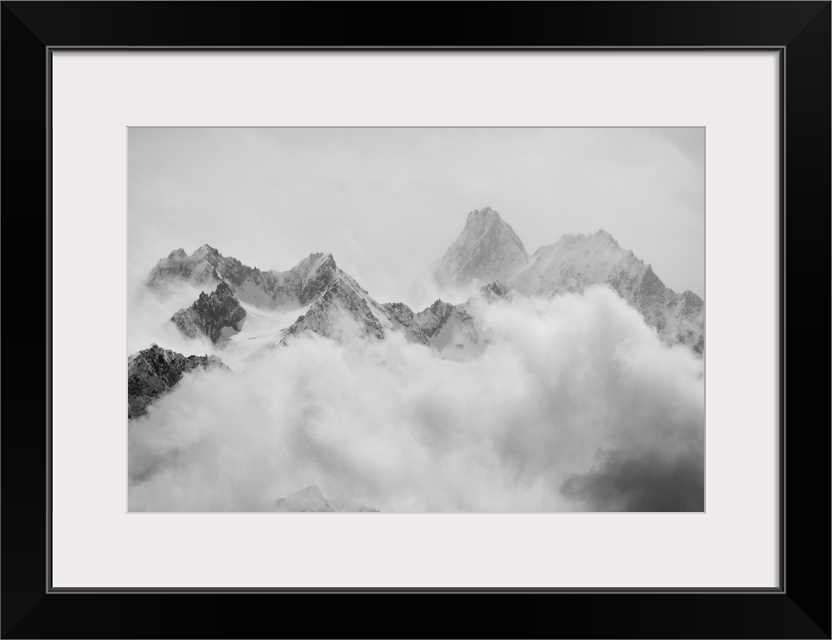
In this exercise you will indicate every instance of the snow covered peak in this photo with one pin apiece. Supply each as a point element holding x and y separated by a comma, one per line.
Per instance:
<point>487,249</point>
<point>314,263</point>
<point>577,261</point>
<point>199,268</point>
<point>206,267</point>
<point>314,274</point>
<point>205,250</point>
<point>486,220</point>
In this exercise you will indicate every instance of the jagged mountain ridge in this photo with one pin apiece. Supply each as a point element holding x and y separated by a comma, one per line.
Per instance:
<point>333,295</point>
<point>216,315</point>
<point>272,289</point>
<point>404,319</point>
<point>578,261</point>
<point>487,250</point>
<point>153,372</point>
<point>574,263</point>
<point>453,330</point>
<point>342,299</point>
<point>311,499</point>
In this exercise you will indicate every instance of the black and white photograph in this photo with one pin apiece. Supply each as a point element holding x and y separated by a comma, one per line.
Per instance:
<point>416,320</point>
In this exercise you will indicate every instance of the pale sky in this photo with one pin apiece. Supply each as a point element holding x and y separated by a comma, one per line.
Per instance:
<point>388,202</point>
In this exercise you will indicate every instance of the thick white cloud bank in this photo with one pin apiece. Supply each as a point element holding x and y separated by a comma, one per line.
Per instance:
<point>575,405</point>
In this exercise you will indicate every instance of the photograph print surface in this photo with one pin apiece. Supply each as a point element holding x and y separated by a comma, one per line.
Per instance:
<point>416,320</point>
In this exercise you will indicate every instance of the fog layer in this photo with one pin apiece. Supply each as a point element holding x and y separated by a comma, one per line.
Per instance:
<point>574,405</point>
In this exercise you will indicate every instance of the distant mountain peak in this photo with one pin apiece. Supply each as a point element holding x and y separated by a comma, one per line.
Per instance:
<point>206,249</point>
<point>486,213</point>
<point>604,234</point>
<point>487,249</point>
<point>576,262</point>
<point>482,220</point>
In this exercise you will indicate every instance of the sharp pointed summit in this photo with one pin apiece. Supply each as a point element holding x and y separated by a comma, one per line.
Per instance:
<point>488,249</point>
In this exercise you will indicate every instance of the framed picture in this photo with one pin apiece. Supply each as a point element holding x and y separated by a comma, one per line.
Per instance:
<point>502,293</point>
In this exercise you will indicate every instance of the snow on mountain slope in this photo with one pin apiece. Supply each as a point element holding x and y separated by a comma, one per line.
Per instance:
<point>459,335</point>
<point>296,287</point>
<point>432,319</point>
<point>486,250</point>
<point>336,306</point>
<point>577,261</point>
<point>574,262</point>
<point>404,320</point>
<point>454,331</point>
<point>342,311</point>
<point>345,312</point>
<point>311,499</point>
<point>263,327</point>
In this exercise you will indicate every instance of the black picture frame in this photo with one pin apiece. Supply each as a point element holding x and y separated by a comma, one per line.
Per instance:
<point>798,608</point>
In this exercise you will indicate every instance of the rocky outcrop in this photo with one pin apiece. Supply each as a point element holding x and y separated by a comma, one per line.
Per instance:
<point>153,372</point>
<point>217,315</point>
<point>311,499</point>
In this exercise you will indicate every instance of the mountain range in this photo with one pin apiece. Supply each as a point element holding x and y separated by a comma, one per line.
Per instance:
<point>488,249</point>
<point>488,252</point>
<point>488,256</point>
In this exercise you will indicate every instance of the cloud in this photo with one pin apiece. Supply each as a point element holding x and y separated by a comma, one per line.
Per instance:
<point>149,313</point>
<point>574,405</point>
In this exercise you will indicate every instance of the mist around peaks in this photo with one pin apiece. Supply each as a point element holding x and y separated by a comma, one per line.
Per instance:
<point>574,405</point>
<point>571,384</point>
